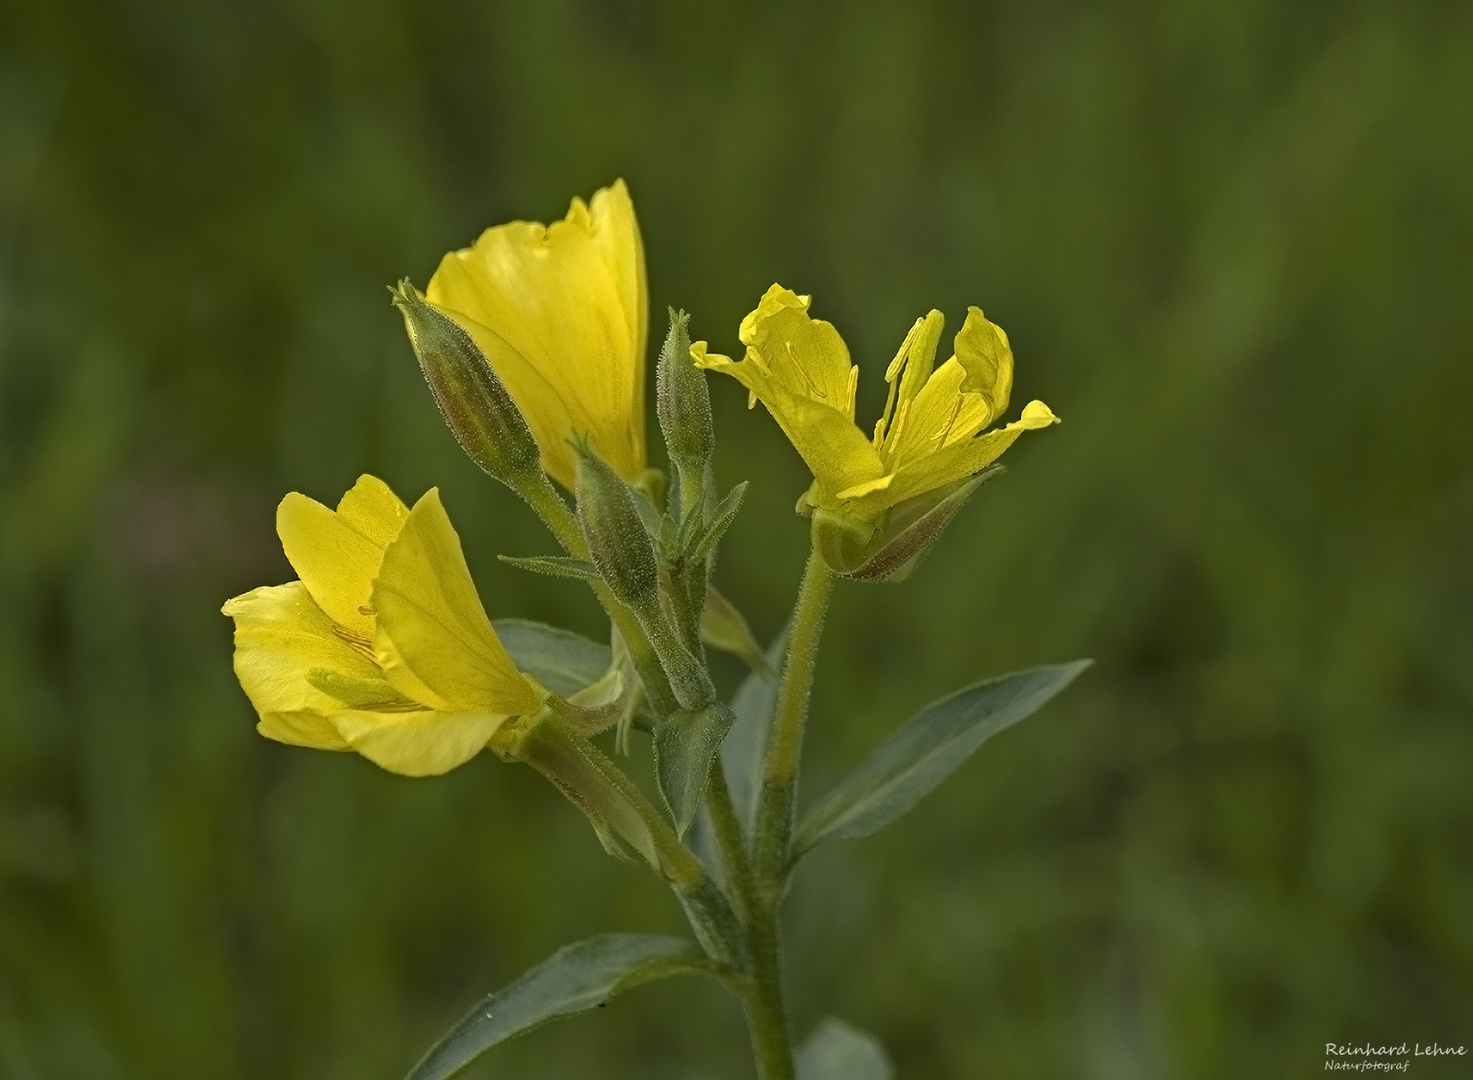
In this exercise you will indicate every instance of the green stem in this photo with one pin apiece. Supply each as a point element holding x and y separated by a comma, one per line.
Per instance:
<point>563,524</point>
<point>780,771</point>
<point>729,840</point>
<point>689,680</point>
<point>612,801</point>
<point>762,1001</point>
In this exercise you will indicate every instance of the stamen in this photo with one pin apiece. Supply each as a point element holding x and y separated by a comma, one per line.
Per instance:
<point>896,431</point>
<point>813,387</point>
<point>357,642</point>
<point>956,408</point>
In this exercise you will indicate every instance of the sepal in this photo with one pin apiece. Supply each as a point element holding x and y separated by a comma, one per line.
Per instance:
<point>476,406</point>
<point>618,541</point>
<point>916,525</point>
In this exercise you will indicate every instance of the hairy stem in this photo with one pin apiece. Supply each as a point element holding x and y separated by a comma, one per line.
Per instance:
<point>730,843</point>
<point>561,522</point>
<point>779,794</point>
<point>762,1000</point>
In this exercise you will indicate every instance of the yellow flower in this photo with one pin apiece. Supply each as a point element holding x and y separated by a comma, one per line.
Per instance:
<point>562,314</point>
<point>932,433</point>
<point>383,646</point>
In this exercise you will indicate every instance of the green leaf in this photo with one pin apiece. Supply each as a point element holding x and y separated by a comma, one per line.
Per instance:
<point>746,743</point>
<point>721,519</point>
<point>840,1051</point>
<point>724,627</point>
<point>685,746</point>
<point>930,747</point>
<point>574,979</point>
<point>554,566</point>
<point>560,660</point>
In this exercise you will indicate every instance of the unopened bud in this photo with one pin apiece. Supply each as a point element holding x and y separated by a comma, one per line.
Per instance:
<point>616,537</point>
<point>476,406</point>
<point>683,401</point>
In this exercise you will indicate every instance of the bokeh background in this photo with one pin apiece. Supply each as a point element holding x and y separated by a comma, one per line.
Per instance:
<point>1232,242</point>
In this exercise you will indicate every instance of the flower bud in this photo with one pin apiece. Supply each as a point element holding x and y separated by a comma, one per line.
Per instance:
<point>616,537</point>
<point>683,402</point>
<point>476,407</point>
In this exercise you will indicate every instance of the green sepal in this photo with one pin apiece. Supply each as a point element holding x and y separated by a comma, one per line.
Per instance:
<point>575,979</point>
<point>914,526</point>
<point>554,566</point>
<point>685,746</point>
<point>476,406</point>
<point>932,745</point>
<point>888,549</point>
<point>614,530</point>
<point>683,402</point>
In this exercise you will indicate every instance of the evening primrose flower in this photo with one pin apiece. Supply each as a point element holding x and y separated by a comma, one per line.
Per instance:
<point>561,313</point>
<point>383,646</point>
<point>932,434</point>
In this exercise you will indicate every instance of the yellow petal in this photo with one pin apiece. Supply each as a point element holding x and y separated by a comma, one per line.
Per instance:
<point>616,233</point>
<point>561,314</point>
<point>911,367</point>
<point>434,641</point>
<point>960,460</point>
<point>336,554</point>
<point>805,356</point>
<point>835,451</point>
<point>422,743</point>
<point>372,509</point>
<point>281,639</point>
<point>982,349</point>
<point>313,730</point>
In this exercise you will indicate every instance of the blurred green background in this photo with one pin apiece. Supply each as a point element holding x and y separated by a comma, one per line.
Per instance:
<point>1232,242</point>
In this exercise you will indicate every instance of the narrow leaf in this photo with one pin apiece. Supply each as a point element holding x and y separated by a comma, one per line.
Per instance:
<point>554,566</point>
<point>930,747</point>
<point>721,519</point>
<point>560,660</point>
<point>574,979</point>
<point>840,1051</point>
<point>746,743</point>
<point>685,746</point>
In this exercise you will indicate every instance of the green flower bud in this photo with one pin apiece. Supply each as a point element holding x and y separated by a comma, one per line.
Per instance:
<point>476,407</point>
<point>616,537</point>
<point>683,402</point>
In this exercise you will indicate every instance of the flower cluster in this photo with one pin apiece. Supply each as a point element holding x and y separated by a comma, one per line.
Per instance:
<point>383,646</point>
<point>532,342</point>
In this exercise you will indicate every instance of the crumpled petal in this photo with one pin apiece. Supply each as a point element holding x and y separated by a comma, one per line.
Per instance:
<point>835,451</point>
<point>561,312</point>
<point>805,356</point>
<point>434,641</point>
<point>422,743</point>
<point>983,351</point>
<point>336,553</point>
